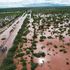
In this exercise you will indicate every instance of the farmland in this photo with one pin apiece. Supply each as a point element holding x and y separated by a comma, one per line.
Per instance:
<point>42,43</point>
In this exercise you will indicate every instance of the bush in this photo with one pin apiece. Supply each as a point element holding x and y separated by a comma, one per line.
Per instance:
<point>42,38</point>
<point>40,54</point>
<point>19,55</point>
<point>33,66</point>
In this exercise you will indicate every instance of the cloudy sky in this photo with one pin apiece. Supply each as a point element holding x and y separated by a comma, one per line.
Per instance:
<point>19,3</point>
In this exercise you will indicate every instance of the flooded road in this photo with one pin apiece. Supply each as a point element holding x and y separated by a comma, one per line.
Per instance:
<point>8,36</point>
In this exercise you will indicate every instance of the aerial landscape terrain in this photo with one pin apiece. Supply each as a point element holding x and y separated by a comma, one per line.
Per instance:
<point>35,38</point>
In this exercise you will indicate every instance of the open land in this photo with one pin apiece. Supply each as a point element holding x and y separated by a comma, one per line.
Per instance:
<point>39,39</point>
